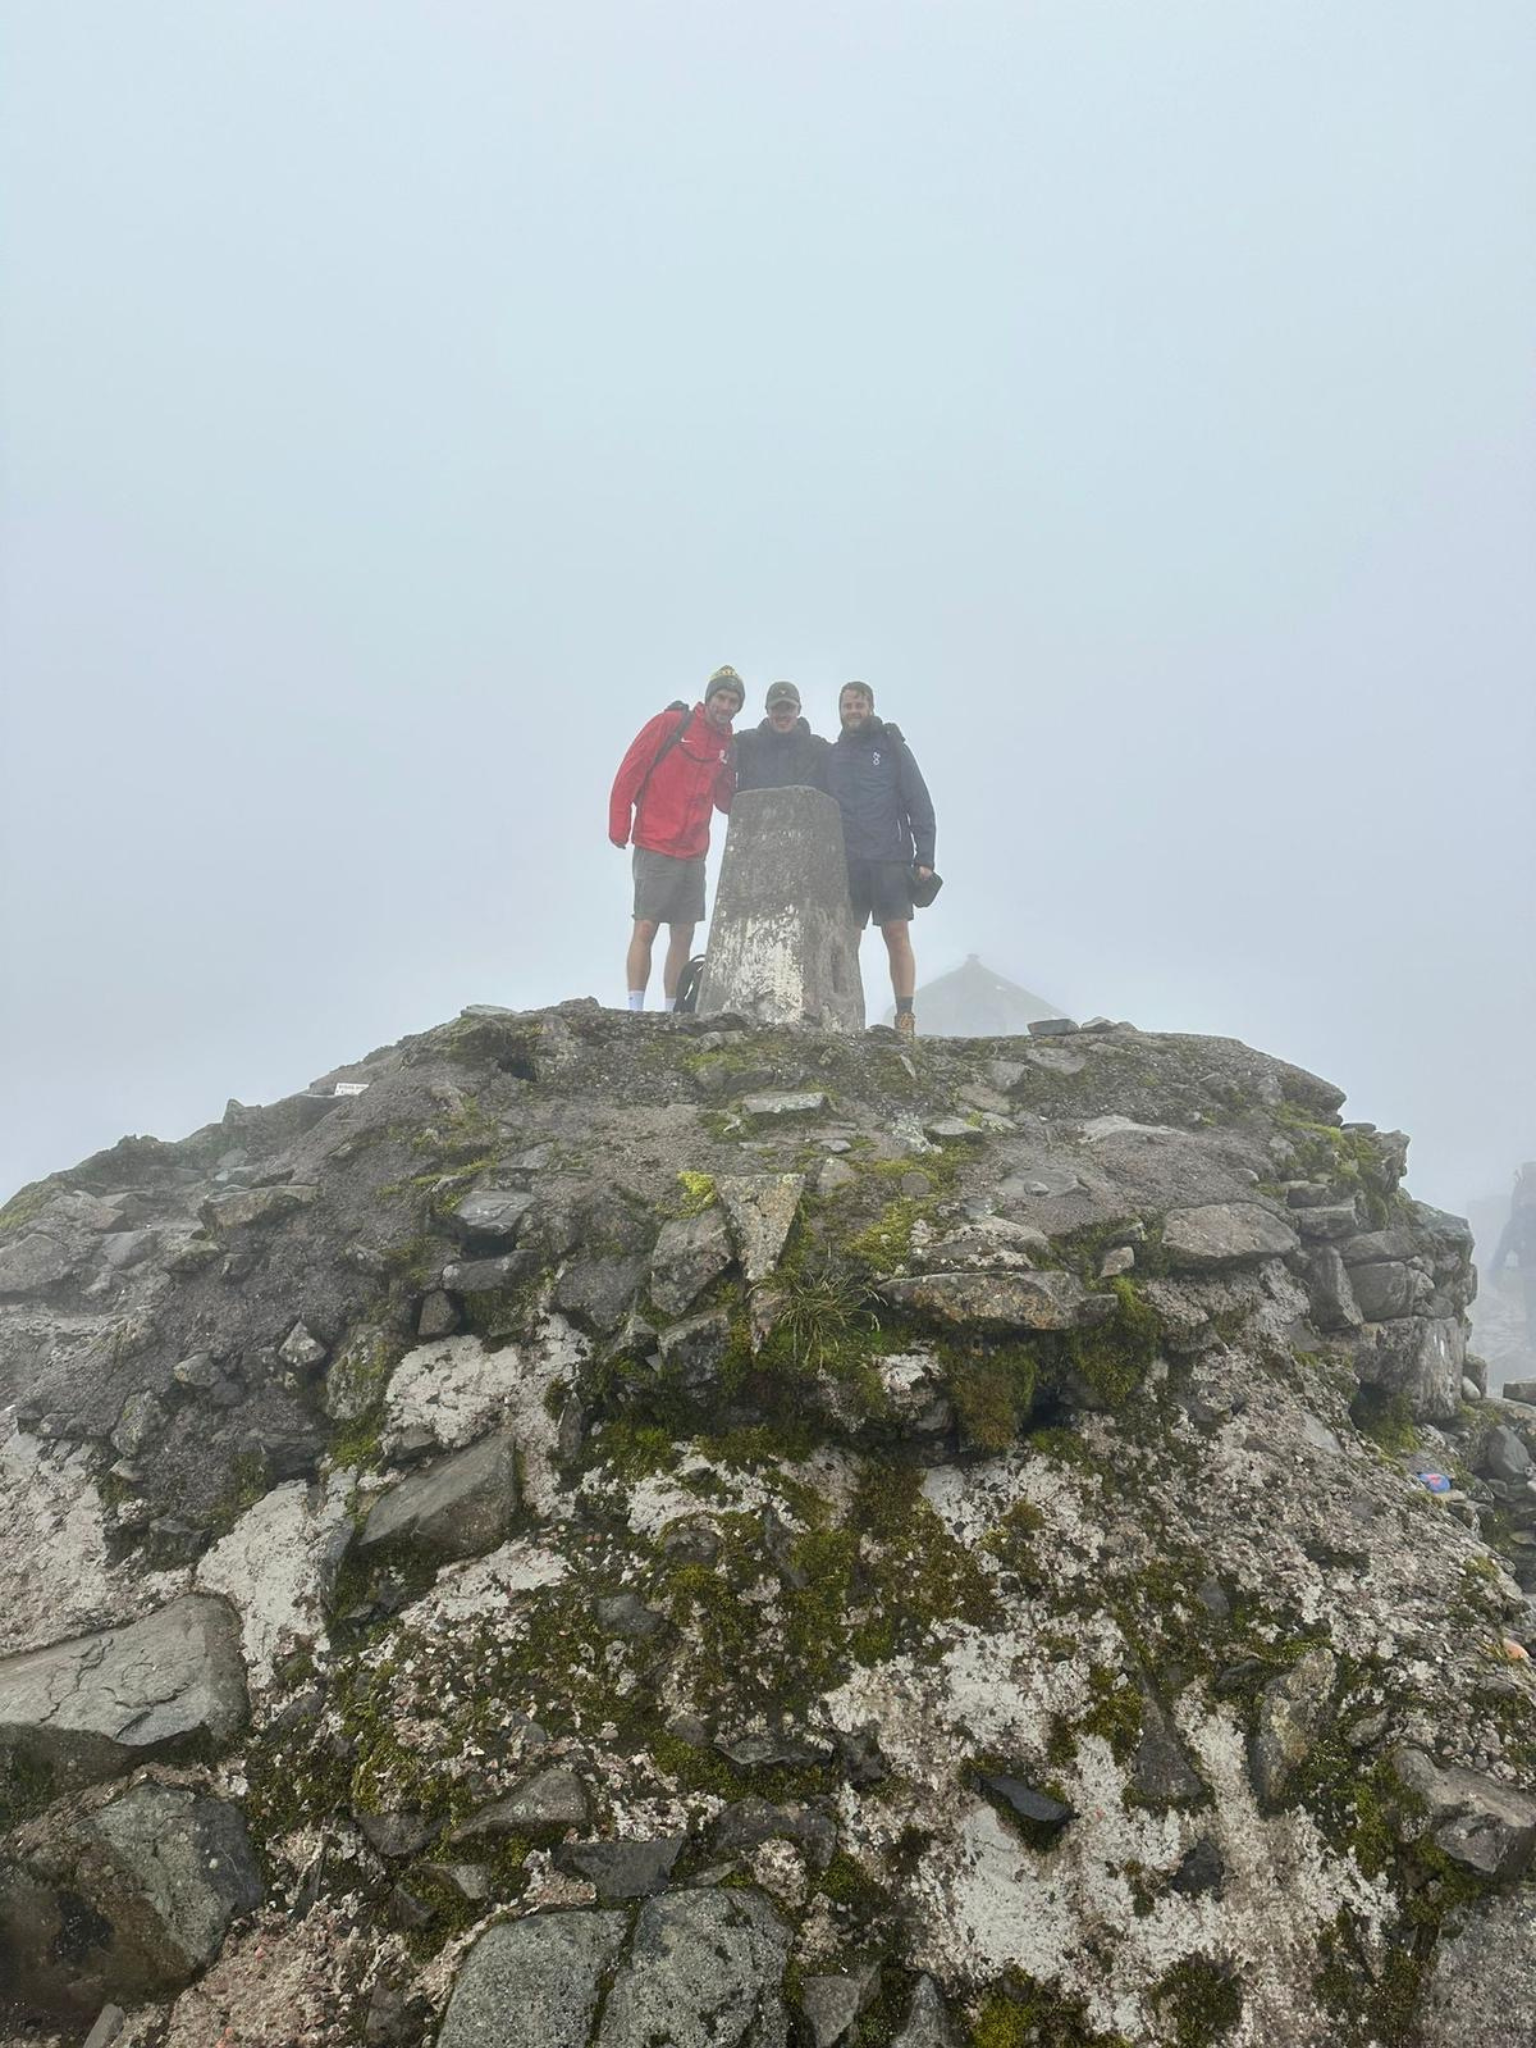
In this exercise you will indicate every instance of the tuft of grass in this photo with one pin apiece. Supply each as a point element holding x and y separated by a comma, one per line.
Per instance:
<point>821,1312</point>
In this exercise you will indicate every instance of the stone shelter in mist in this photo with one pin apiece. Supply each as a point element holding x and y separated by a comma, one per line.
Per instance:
<point>975,1002</point>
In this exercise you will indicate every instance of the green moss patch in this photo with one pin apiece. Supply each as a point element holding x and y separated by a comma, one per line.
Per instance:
<point>1021,2013</point>
<point>1198,2002</point>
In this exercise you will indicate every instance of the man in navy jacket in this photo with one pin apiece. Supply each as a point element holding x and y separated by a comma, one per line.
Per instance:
<point>888,831</point>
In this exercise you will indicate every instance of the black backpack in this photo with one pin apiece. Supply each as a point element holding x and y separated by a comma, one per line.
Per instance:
<point>688,985</point>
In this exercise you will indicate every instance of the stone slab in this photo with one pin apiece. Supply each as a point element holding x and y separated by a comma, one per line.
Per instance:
<point>783,945</point>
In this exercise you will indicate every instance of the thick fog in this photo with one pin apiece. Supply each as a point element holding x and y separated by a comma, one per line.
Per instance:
<point>401,403</point>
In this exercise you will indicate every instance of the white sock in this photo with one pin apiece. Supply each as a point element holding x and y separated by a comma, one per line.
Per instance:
<point>637,999</point>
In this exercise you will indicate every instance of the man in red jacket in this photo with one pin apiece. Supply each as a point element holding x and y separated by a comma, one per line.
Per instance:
<point>677,770</point>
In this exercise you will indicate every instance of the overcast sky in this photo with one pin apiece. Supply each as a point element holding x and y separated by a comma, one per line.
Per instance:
<point>400,403</point>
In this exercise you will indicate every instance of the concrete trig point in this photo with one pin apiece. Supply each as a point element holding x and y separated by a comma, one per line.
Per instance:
<point>783,946</point>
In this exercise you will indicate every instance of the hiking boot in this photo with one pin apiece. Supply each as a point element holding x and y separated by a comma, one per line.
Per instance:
<point>906,1024</point>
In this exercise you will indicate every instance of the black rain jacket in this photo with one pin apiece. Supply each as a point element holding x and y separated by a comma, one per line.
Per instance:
<point>887,811</point>
<point>796,759</point>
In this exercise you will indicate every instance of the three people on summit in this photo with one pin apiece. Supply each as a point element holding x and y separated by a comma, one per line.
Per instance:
<point>683,764</point>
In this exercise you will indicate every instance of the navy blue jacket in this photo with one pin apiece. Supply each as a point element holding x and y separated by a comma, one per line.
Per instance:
<point>766,759</point>
<point>887,811</point>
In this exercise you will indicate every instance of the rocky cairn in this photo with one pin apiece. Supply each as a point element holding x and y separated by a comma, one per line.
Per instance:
<point>584,1531</point>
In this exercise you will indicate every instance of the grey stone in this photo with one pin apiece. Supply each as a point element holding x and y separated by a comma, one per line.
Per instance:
<point>1330,1296</point>
<point>622,1870</point>
<point>1121,1259</point>
<point>1000,1302</point>
<point>199,1372</point>
<point>626,1614</point>
<point>831,2005</point>
<point>1504,1455</point>
<point>553,1798</point>
<point>916,1393</point>
<point>695,1349</point>
<point>1479,1989</point>
<point>1052,1027</point>
<point>1226,1233</point>
<point>1389,1288</point>
<point>96,1706</point>
<point>38,1261</point>
<point>751,1822</point>
<point>490,1276</point>
<point>1371,1247</point>
<point>109,2024</point>
<point>246,1208</point>
<point>953,1130</point>
<point>352,1380</point>
<point>140,1425</point>
<point>491,1216</point>
<point>690,1252</point>
<point>393,2019</point>
<point>1478,1822</point>
<point>128,1902</point>
<point>301,1349</point>
<point>533,1983</point>
<point>398,1834</point>
<point>786,1103</point>
<point>1315,1432</point>
<point>834,1174</point>
<point>928,2024</point>
<point>1213,1598</point>
<point>1202,1870</point>
<point>773,1746</point>
<point>1161,1773</point>
<point>783,946</point>
<point>1039,1809</point>
<point>1419,1357</point>
<point>762,1208</point>
<point>597,1292</point>
<point>706,1970</point>
<point>1338,1221</point>
<point>1470,1390</point>
<point>1523,1391</point>
<point>189,1856</point>
<point>458,1507</point>
<point>472,1881</point>
<point>404,1910</point>
<point>1296,1709</point>
<point>438,1317</point>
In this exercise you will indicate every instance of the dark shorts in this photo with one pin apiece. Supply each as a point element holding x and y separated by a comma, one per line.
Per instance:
<point>668,891</point>
<point>881,889</point>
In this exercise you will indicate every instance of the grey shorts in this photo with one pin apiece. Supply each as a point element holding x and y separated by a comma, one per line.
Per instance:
<point>668,891</point>
<point>881,889</point>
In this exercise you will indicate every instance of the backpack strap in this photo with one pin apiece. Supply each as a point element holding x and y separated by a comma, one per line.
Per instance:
<point>685,712</point>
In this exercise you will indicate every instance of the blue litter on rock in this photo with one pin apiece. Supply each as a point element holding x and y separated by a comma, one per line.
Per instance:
<point>1435,1481</point>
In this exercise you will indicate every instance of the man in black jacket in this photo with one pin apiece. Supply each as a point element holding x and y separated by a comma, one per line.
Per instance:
<point>888,831</point>
<point>783,752</point>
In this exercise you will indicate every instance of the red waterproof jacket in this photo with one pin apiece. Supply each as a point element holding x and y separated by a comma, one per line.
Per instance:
<point>670,812</point>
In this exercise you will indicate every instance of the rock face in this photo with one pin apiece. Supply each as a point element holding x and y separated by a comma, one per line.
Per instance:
<point>456,1508</point>
<point>705,1970</point>
<point>525,1554</point>
<point>535,1983</point>
<point>130,1902</point>
<point>783,946</point>
<point>91,1708</point>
